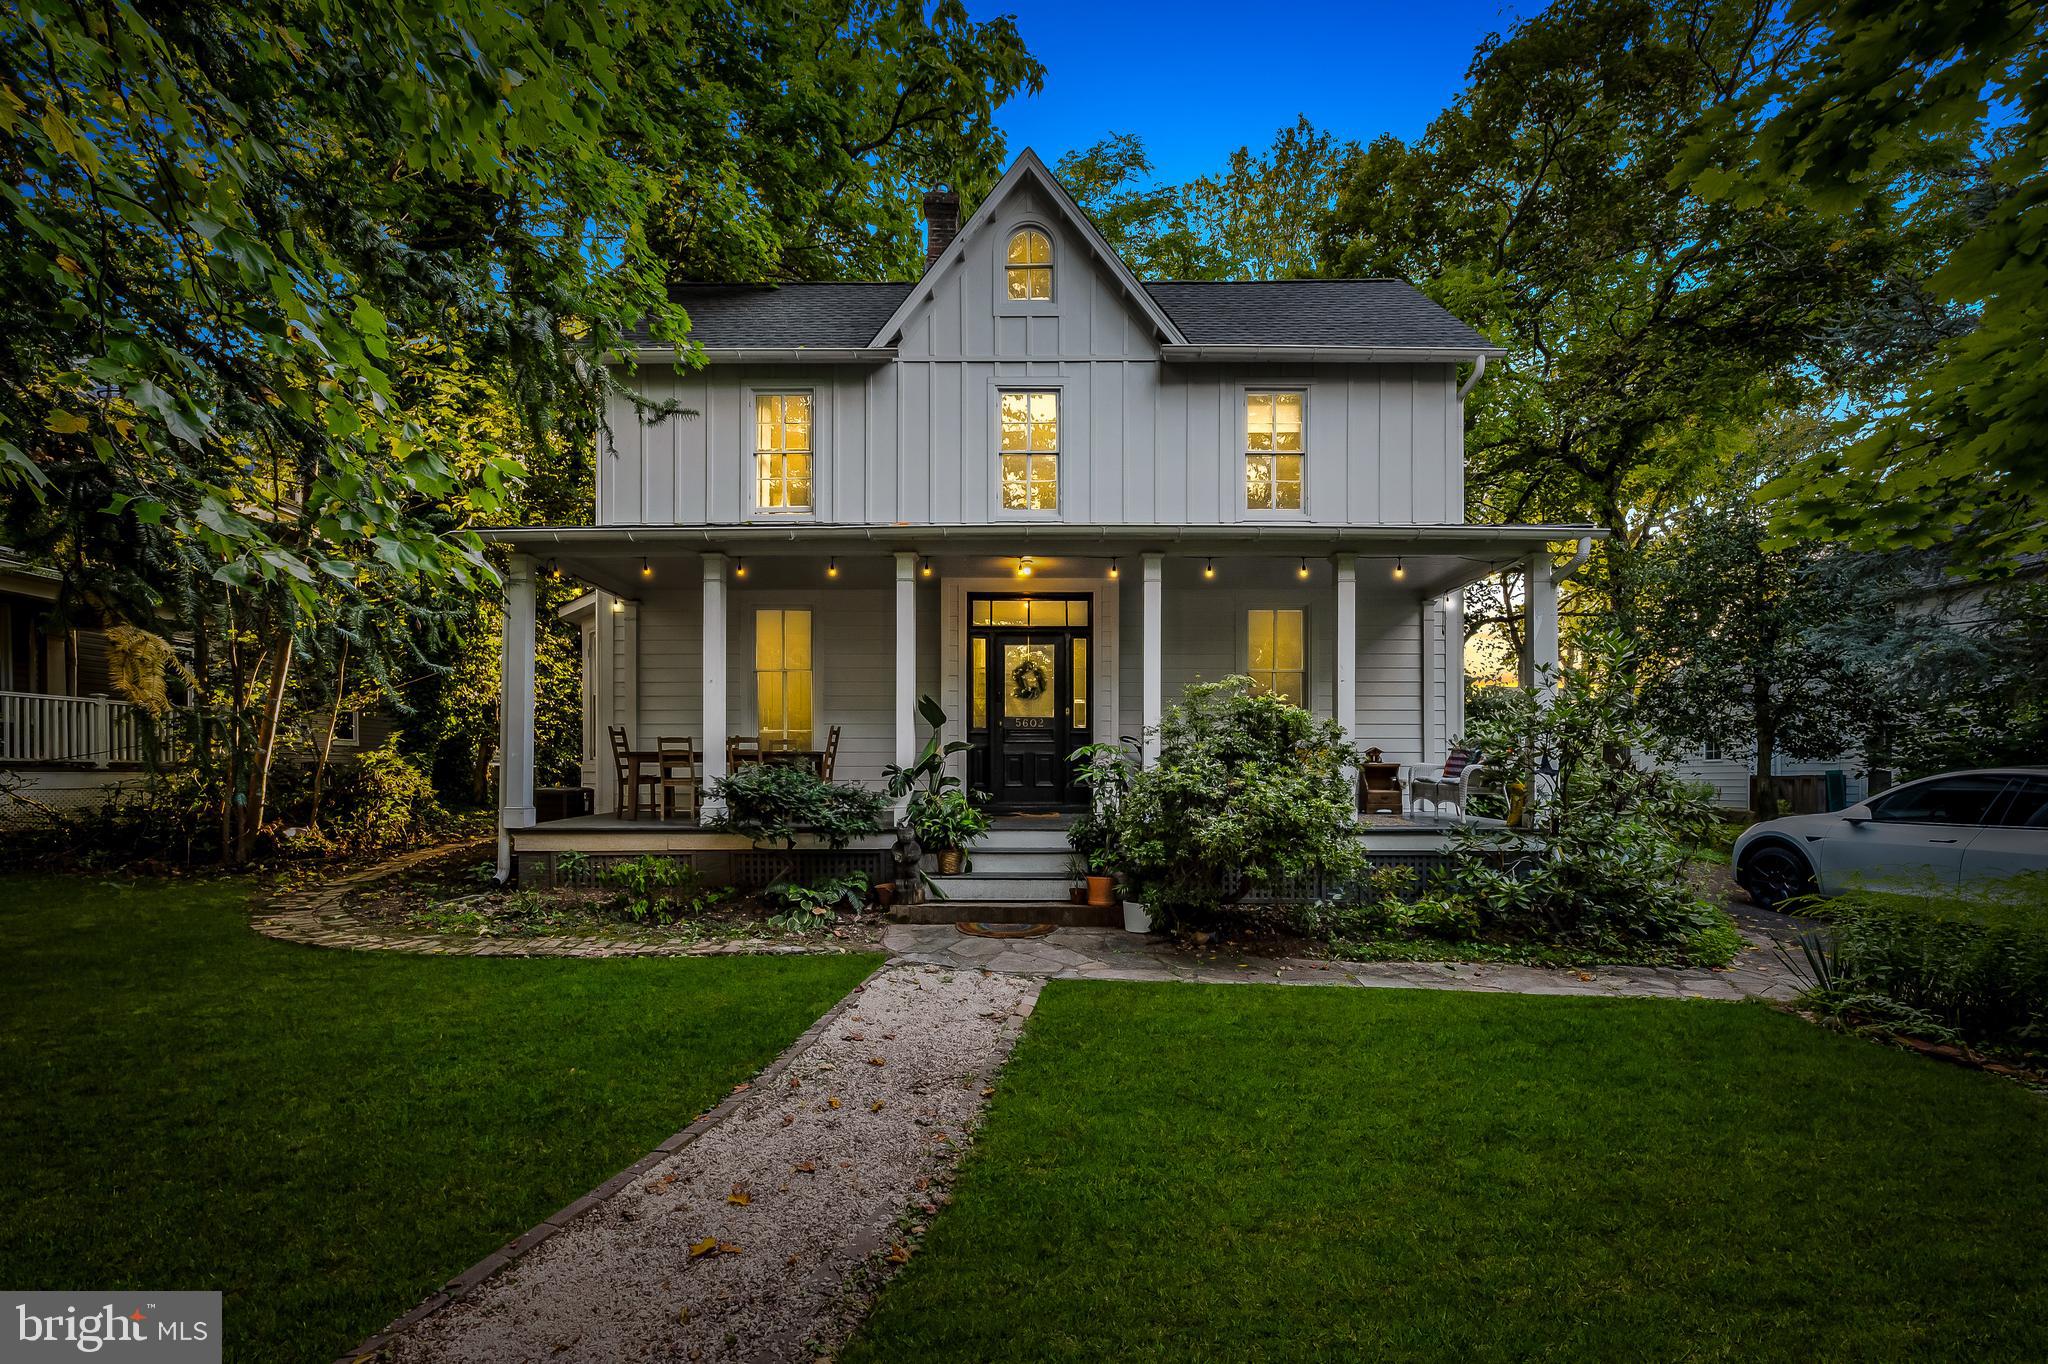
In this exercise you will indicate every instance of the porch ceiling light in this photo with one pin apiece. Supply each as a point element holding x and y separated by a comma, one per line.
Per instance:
<point>1024,566</point>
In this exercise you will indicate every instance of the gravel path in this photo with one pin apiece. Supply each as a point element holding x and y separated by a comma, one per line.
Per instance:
<point>796,1190</point>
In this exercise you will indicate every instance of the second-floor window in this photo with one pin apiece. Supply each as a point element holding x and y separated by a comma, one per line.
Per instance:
<point>782,452</point>
<point>1029,267</point>
<point>1029,440</point>
<point>782,676</point>
<point>1272,446</point>
<point>1275,655</point>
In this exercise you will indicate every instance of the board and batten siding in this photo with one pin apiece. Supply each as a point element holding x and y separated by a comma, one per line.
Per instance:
<point>913,440</point>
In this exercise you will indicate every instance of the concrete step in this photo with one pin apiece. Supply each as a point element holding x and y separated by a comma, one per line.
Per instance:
<point>1025,887</point>
<point>1068,915</point>
<point>1006,862</point>
<point>1037,838</point>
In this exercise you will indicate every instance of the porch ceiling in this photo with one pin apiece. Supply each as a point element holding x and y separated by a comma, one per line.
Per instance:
<point>1432,559</point>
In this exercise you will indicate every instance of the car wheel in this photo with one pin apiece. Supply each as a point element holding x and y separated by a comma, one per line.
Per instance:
<point>1774,874</point>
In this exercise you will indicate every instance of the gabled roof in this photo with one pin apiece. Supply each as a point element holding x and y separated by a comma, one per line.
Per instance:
<point>1349,314</point>
<point>1027,166</point>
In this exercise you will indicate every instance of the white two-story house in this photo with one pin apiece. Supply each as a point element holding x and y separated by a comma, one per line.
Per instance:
<point>1037,488</point>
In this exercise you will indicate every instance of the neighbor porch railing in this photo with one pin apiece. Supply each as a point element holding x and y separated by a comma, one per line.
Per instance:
<point>90,731</point>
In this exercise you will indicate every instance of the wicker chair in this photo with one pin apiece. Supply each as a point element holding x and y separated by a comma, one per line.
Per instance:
<point>1450,784</point>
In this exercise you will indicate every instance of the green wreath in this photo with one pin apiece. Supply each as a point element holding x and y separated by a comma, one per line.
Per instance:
<point>1028,680</point>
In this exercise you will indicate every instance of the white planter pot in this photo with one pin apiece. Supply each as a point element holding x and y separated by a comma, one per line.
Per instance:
<point>1136,920</point>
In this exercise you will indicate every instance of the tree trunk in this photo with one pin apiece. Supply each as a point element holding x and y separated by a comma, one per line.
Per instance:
<point>1766,797</point>
<point>266,745</point>
<point>327,742</point>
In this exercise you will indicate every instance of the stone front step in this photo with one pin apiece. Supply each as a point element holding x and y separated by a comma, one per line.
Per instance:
<point>1031,838</point>
<point>1021,862</point>
<point>1025,887</point>
<point>1068,915</point>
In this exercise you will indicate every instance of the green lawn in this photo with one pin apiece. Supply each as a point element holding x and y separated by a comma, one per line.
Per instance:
<point>1180,1172</point>
<point>327,1136</point>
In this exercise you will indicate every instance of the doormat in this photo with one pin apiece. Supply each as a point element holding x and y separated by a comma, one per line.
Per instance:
<point>977,930</point>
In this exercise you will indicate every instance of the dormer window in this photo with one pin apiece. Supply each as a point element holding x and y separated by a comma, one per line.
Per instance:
<point>1030,266</point>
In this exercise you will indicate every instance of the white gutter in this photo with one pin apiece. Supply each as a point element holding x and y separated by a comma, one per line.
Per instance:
<point>1414,355</point>
<point>1478,368</point>
<point>770,355</point>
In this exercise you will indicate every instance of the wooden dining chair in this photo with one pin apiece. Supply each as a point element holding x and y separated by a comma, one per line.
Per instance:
<point>831,755</point>
<point>741,748</point>
<point>678,767</point>
<point>629,801</point>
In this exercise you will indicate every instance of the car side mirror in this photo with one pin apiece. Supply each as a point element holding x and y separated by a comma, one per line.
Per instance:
<point>1858,820</point>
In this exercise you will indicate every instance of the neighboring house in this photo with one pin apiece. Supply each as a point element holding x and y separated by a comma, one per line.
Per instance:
<point>1036,488</point>
<point>66,741</point>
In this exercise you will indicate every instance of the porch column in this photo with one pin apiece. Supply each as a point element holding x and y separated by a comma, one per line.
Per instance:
<point>515,710</point>
<point>712,696</point>
<point>1539,634</point>
<point>1346,712</point>
<point>1454,670</point>
<point>906,659</point>
<point>1154,671</point>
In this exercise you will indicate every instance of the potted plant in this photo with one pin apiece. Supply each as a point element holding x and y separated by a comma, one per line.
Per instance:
<point>941,813</point>
<point>946,822</point>
<point>1105,770</point>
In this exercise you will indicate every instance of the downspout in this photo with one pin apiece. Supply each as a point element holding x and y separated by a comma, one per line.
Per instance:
<point>1472,380</point>
<point>1578,559</point>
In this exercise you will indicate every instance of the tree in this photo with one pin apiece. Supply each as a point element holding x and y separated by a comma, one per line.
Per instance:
<point>1760,648</point>
<point>1959,455</point>
<point>1649,327</point>
<point>253,248</point>
<point>1254,219</point>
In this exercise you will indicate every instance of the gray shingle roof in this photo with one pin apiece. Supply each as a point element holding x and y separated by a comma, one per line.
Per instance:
<point>1310,312</point>
<point>788,315</point>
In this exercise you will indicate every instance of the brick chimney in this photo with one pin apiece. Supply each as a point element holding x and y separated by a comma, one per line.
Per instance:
<point>941,222</point>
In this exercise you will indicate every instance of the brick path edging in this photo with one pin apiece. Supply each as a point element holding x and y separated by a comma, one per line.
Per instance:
<point>469,1279</point>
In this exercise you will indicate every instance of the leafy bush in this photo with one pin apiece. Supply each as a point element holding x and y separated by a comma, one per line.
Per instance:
<point>805,907</point>
<point>383,800</point>
<point>1248,790</point>
<point>1105,769</point>
<point>771,803</point>
<point>1601,864</point>
<point>946,820</point>
<point>660,888</point>
<point>1976,967</point>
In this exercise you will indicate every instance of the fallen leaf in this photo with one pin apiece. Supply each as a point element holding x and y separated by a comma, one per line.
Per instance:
<point>728,1248</point>
<point>683,1314</point>
<point>739,1197</point>
<point>792,1082</point>
<point>856,1037</point>
<point>698,1249</point>
<point>875,1107</point>
<point>788,1119</point>
<point>791,1261</point>
<point>832,1102</point>
<point>888,1037</point>
<point>876,1061</point>
<point>806,1167</point>
<point>989,1093</point>
<point>899,1254</point>
<point>743,1086</point>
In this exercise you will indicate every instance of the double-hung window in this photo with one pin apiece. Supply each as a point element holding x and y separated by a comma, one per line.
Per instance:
<point>1272,450</point>
<point>782,676</point>
<point>1029,442</point>
<point>1275,654</point>
<point>1027,274</point>
<point>782,452</point>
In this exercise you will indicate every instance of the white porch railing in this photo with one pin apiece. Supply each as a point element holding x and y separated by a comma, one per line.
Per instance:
<point>93,731</point>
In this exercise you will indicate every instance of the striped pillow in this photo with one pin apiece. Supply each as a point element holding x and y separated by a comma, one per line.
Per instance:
<point>1454,762</point>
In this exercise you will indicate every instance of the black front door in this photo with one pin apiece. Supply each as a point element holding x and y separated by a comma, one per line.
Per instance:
<point>1031,699</point>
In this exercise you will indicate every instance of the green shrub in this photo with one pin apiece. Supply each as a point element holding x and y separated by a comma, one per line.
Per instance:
<point>771,803</point>
<point>1978,967</point>
<point>382,800</point>
<point>1249,790</point>
<point>1600,863</point>
<point>660,888</point>
<point>805,907</point>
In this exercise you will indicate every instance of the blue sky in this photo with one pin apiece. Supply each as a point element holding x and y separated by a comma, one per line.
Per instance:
<point>1197,80</point>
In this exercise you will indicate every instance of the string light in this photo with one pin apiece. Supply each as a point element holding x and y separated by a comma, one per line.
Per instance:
<point>1112,568</point>
<point>1208,568</point>
<point>646,569</point>
<point>925,568</point>
<point>1303,570</point>
<point>739,567</point>
<point>832,568</point>
<point>1400,570</point>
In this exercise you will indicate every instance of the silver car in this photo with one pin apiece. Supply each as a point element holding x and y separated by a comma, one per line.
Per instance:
<point>1921,837</point>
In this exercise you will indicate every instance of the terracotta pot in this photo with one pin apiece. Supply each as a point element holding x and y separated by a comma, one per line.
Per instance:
<point>951,860</point>
<point>885,893</point>
<point>1101,891</point>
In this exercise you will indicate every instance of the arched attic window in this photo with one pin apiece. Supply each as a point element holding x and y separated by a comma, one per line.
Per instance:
<point>1029,266</point>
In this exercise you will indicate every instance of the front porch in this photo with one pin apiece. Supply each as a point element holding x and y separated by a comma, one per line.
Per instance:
<point>791,632</point>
